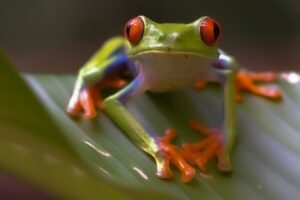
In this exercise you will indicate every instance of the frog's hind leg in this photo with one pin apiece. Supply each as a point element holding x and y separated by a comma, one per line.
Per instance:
<point>100,72</point>
<point>248,81</point>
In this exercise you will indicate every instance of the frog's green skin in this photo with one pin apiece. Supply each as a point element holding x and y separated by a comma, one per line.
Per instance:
<point>168,57</point>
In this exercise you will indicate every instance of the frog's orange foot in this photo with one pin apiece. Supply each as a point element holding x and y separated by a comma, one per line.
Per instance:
<point>173,155</point>
<point>90,98</point>
<point>247,81</point>
<point>200,153</point>
<point>200,85</point>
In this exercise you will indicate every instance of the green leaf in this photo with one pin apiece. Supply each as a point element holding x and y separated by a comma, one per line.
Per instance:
<point>76,158</point>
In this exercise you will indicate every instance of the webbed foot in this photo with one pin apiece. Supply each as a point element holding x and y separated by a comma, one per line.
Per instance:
<point>172,155</point>
<point>200,153</point>
<point>90,97</point>
<point>247,81</point>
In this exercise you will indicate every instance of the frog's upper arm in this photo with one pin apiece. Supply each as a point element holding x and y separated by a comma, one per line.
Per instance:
<point>111,47</point>
<point>112,53</point>
<point>109,56</point>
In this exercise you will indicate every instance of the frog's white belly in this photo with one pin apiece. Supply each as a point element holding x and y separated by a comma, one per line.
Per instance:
<point>172,71</point>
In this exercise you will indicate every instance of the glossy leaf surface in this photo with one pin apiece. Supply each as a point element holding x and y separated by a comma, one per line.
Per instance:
<point>37,136</point>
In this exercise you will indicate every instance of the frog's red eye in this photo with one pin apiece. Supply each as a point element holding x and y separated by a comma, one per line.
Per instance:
<point>134,30</point>
<point>210,31</point>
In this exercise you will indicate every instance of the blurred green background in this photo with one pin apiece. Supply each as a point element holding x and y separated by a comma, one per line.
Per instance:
<point>59,35</point>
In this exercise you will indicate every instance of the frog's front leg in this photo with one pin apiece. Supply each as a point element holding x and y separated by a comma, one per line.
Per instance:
<point>219,143</point>
<point>226,74</point>
<point>246,80</point>
<point>158,147</point>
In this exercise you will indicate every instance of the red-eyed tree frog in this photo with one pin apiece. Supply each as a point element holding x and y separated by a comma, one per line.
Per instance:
<point>164,57</point>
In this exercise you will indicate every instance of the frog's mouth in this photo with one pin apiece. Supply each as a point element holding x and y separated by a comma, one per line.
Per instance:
<point>170,52</point>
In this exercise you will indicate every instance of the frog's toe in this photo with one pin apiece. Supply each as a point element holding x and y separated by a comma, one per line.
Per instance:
<point>273,93</point>
<point>73,108</point>
<point>171,154</point>
<point>188,174</point>
<point>262,76</point>
<point>87,102</point>
<point>200,85</point>
<point>90,115</point>
<point>200,153</point>
<point>164,172</point>
<point>248,81</point>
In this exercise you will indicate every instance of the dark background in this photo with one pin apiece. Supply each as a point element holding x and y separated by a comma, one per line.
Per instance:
<point>59,35</point>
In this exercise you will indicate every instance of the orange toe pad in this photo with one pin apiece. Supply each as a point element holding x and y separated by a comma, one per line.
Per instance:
<point>173,155</point>
<point>248,81</point>
<point>201,152</point>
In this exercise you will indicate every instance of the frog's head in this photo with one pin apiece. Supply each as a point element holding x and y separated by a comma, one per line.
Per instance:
<point>146,36</point>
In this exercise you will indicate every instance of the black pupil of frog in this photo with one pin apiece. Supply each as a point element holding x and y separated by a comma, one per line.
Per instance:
<point>216,31</point>
<point>128,29</point>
